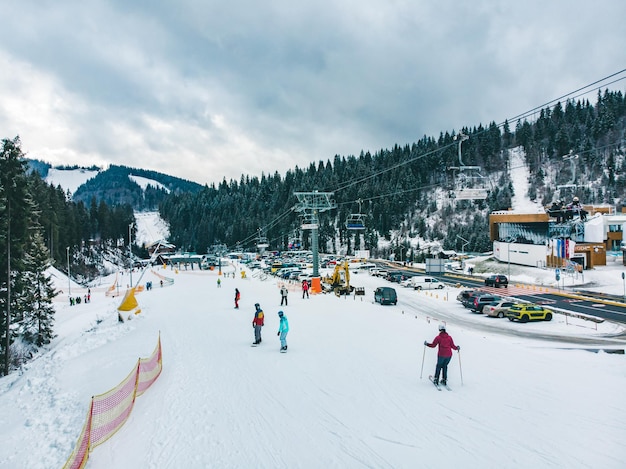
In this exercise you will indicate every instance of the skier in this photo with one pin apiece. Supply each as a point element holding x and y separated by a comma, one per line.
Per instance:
<point>257,323</point>
<point>219,283</point>
<point>283,329</point>
<point>444,355</point>
<point>237,297</point>
<point>283,295</point>
<point>305,289</point>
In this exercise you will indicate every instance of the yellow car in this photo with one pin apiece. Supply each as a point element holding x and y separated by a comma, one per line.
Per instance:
<point>528,312</point>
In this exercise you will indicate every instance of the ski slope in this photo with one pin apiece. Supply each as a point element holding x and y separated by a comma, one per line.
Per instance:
<point>350,392</point>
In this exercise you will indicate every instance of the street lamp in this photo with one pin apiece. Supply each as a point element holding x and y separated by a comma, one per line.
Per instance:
<point>464,244</point>
<point>130,252</point>
<point>402,248</point>
<point>69,282</point>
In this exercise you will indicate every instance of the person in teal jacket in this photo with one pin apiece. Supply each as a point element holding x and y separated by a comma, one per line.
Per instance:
<point>283,329</point>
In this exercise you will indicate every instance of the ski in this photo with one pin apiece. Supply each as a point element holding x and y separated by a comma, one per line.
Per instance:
<point>434,384</point>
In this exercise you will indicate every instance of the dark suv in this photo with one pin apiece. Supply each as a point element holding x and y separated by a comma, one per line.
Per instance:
<point>497,281</point>
<point>481,301</point>
<point>468,301</point>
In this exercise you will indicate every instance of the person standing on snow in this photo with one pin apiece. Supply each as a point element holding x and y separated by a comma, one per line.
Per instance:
<point>444,355</point>
<point>237,297</point>
<point>283,295</point>
<point>305,289</point>
<point>283,329</point>
<point>257,323</point>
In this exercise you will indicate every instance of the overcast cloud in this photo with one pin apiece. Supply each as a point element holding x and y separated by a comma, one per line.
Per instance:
<point>205,89</point>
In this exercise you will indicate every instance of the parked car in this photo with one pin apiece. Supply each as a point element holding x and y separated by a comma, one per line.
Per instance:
<point>528,312</point>
<point>463,295</point>
<point>482,300</point>
<point>497,309</point>
<point>395,276</point>
<point>468,301</point>
<point>407,283</point>
<point>385,296</point>
<point>426,283</point>
<point>497,281</point>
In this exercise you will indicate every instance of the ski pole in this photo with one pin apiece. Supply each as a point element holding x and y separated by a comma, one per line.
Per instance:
<point>423,356</point>
<point>460,368</point>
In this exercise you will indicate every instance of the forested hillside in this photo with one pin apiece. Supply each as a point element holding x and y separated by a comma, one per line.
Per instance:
<point>115,187</point>
<point>407,192</point>
<point>40,227</point>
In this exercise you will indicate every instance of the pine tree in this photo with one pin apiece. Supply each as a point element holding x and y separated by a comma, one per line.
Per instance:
<point>36,328</point>
<point>17,209</point>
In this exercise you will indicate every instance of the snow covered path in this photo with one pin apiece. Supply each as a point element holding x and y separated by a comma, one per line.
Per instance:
<point>347,394</point>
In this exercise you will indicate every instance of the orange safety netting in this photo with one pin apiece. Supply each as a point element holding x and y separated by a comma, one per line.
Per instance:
<point>109,411</point>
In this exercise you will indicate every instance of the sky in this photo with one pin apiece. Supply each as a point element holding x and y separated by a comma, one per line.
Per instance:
<point>352,390</point>
<point>206,90</point>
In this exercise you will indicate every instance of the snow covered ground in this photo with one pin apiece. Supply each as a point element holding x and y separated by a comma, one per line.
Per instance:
<point>350,392</point>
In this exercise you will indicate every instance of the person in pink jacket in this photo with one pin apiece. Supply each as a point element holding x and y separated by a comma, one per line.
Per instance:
<point>444,354</point>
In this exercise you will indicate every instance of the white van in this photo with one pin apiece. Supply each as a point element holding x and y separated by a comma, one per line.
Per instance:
<point>426,283</point>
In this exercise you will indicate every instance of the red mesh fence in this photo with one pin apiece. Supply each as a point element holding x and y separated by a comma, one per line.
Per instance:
<point>109,411</point>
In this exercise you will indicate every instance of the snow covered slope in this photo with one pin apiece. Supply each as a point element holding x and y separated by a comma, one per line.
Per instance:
<point>69,180</point>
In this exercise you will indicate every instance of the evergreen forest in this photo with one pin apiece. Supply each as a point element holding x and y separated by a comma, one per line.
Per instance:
<point>407,192</point>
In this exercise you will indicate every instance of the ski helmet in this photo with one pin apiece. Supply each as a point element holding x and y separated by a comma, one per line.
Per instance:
<point>442,327</point>
<point>280,313</point>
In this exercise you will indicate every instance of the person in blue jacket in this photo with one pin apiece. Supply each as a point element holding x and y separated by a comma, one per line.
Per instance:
<point>283,329</point>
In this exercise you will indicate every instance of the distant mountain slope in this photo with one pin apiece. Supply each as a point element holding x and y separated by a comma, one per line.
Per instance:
<point>117,185</point>
<point>69,179</point>
<point>142,189</point>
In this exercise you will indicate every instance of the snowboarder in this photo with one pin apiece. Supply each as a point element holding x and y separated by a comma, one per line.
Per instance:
<point>257,323</point>
<point>283,329</point>
<point>305,289</point>
<point>237,297</point>
<point>444,354</point>
<point>283,295</point>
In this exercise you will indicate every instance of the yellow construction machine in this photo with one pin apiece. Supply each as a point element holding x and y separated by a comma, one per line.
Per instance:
<point>339,281</point>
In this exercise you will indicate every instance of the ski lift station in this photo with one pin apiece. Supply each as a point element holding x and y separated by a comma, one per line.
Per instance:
<point>550,239</point>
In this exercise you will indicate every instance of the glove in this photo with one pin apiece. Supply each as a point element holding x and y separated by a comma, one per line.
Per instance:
<point>458,348</point>
<point>278,333</point>
<point>425,343</point>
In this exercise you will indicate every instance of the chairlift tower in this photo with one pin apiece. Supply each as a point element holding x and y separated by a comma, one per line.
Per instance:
<point>311,204</point>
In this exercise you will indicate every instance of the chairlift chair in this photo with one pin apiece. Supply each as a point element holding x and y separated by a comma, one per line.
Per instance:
<point>355,222</point>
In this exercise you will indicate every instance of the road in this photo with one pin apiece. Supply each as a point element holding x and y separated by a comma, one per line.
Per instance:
<point>561,301</point>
